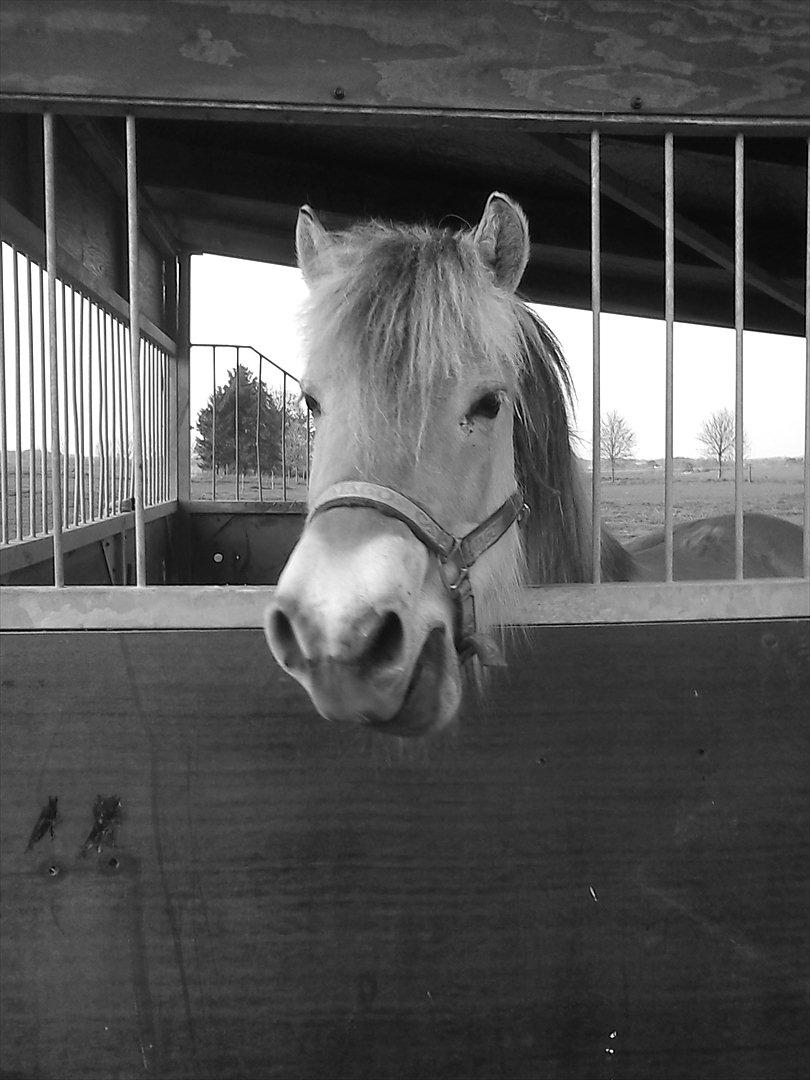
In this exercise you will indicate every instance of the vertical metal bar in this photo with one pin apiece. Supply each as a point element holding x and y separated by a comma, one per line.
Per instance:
<point>66,406</point>
<point>669,314</point>
<point>43,401</point>
<point>236,422</point>
<point>82,441</point>
<point>284,436</point>
<point>153,389</point>
<point>75,399</point>
<point>50,261</point>
<point>258,430</point>
<point>119,404</point>
<point>91,432</point>
<point>214,427</point>
<point>32,411</point>
<point>596,310</point>
<point>180,426</point>
<point>126,378</point>
<point>109,328</point>
<point>102,457</point>
<point>3,421</point>
<point>17,401</point>
<point>806,522</point>
<point>134,337</point>
<point>115,381</point>
<point>164,425</point>
<point>739,323</point>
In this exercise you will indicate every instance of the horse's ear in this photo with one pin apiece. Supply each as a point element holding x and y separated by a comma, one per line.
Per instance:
<point>311,238</point>
<point>502,237</point>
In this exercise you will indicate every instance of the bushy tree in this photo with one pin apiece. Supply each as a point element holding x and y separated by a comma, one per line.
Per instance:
<point>251,396</point>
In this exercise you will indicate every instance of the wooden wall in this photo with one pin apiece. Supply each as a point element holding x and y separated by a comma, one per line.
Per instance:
<point>738,58</point>
<point>611,855</point>
<point>90,216</point>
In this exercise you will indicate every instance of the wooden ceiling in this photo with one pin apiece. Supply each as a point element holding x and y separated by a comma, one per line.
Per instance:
<point>417,111</point>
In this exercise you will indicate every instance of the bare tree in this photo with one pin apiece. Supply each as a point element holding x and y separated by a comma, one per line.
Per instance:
<point>717,436</point>
<point>617,440</point>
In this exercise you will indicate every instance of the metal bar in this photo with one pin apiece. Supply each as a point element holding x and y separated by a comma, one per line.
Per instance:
<point>82,441</point>
<point>43,401</point>
<point>75,400</point>
<point>109,327</point>
<point>180,427</point>
<point>669,315</point>
<point>126,379</point>
<point>165,394</point>
<point>3,420</point>
<point>115,441</point>
<point>236,422</point>
<point>17,401</point>
<point>284,437</point>
<point>214,426</point>
<point>91,448</point>
<point>102,457</point>
<point>65,408</point>
<point>739,322</point>
<point>134,337</point>
<point>153,391</point>
<point>258,429</point>
<point>32,415</point>
<point>50,262</point>
<point>596,306</point>
<point>806,522</point>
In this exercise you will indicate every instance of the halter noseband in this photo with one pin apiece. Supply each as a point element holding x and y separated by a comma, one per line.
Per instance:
<point>456,556</point>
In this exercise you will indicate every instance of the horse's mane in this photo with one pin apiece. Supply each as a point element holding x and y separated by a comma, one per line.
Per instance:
<point>409,306</point>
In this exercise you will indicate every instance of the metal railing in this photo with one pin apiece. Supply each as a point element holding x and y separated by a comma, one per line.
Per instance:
<point>90,389</point>
<point>258,430</point>
<point>739,277</point>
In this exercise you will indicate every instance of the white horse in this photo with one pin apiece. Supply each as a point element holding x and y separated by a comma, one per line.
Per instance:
<point>443,476</point>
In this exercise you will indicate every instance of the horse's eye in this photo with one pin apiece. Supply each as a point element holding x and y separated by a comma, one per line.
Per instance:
<point>487,406</point>
<point>312,404</point>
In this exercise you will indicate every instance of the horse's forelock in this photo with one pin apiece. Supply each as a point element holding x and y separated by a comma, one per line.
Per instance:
<point>402,309</point>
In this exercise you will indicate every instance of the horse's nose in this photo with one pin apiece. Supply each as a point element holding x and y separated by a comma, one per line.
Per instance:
<point>370,641</point>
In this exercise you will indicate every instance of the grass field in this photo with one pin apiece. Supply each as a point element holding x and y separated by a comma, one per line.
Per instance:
<point>634,505</point>
<point>631,507</point>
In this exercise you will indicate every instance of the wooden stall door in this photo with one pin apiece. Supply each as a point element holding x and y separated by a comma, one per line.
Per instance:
<point>603,873</point>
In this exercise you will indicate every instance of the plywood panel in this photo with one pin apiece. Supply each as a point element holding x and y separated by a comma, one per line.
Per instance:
<point>609,855</point>
<point>740,58</point>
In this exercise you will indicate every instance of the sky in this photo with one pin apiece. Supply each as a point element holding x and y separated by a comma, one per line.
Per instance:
<point>249,303</point>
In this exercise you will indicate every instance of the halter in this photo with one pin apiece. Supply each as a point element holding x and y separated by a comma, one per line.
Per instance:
<point>456,556</point>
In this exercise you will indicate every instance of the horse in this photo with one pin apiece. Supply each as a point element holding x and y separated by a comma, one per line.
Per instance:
<point>443,477</point>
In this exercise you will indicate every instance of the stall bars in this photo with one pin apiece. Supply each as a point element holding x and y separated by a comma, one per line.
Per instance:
<point>793,601</point>
<point>92,400</point>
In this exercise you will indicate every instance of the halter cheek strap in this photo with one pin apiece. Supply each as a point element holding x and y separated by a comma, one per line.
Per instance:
<point>456,555</point>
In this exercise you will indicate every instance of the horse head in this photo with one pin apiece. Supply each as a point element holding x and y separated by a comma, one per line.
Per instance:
<point>439,406</point>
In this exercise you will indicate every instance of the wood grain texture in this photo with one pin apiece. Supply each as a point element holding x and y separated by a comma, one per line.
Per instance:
<point>617,843</point>
<point>738,57</point>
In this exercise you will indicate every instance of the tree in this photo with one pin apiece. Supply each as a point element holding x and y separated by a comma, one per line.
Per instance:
<point>251,396</point>
<point>296,432</point>
<point>617,440</point>
<point>717,436</point>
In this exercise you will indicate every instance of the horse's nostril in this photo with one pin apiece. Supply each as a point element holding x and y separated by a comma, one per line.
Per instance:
<point>283,639</point>
<point>385,646</point>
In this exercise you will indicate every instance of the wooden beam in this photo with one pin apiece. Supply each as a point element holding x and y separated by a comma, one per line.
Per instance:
<point>18,230</point>
<point>111,165</point>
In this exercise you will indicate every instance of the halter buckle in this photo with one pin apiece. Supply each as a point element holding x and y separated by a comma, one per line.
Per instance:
<point>462,572</point>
